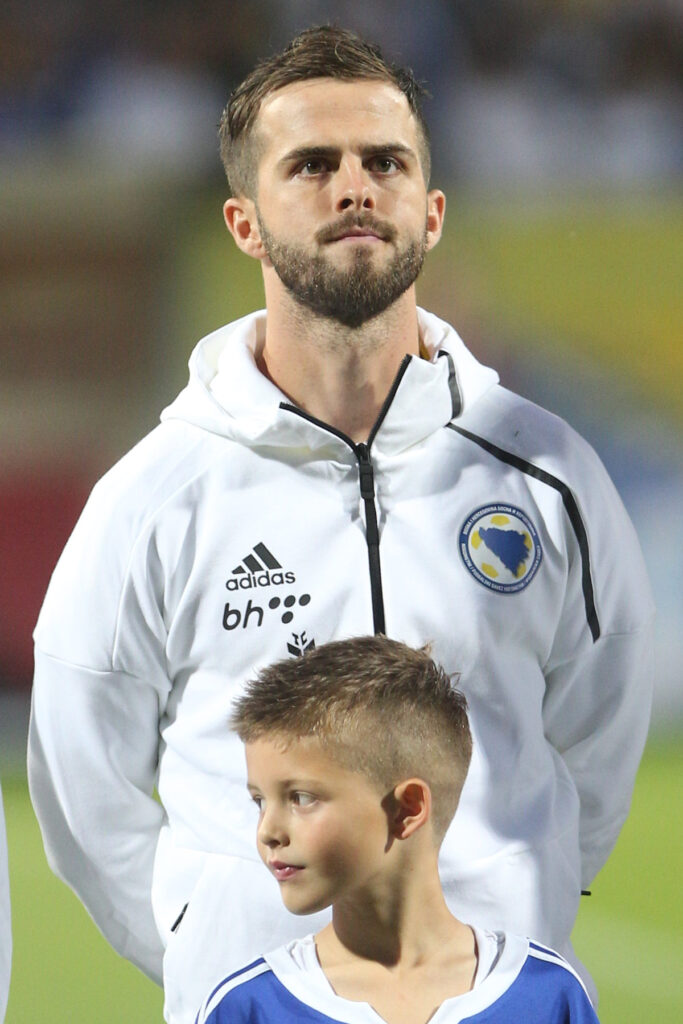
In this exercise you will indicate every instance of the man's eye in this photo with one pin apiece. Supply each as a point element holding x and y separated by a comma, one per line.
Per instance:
<point>384,164</point>
<point>312,167</point>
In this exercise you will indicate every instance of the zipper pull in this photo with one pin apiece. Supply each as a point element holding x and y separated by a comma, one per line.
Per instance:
<point>367,476</point>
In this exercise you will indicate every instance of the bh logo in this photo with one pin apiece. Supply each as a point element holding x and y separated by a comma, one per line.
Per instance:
<point>253,614</point>
<point>500,547</point>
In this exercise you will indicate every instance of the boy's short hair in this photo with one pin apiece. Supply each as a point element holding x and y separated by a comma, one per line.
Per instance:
<point>376,706</point>
<point>321,52</point>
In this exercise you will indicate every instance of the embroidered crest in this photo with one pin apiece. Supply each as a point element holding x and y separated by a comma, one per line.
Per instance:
<point>500,547</point>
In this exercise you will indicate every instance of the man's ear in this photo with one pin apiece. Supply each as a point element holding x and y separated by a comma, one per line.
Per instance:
<point>436,211</point>
<point>240,217</point>
<point>412,807</point>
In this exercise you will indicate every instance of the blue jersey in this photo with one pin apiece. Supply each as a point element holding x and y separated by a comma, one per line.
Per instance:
<point>526,983</point>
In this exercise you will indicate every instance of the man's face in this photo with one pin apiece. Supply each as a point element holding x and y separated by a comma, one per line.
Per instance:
<point>342,206</point>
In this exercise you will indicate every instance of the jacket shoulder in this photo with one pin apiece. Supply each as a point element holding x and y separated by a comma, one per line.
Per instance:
<point>112,544</point>
<point>518,425</point>
<point>162,462</point>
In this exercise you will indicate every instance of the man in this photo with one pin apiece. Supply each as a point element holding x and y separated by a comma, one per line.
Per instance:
<point>338,464</point>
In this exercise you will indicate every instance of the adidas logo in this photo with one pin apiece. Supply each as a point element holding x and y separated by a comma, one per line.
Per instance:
<point>260,568</point>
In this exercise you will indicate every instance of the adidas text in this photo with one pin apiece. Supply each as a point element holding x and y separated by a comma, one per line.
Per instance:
<point>260,579</point>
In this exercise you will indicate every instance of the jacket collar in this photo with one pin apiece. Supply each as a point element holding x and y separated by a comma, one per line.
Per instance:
<point>228,395</point>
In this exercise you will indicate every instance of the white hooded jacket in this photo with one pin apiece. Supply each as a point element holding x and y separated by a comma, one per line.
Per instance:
<point>241,531</point>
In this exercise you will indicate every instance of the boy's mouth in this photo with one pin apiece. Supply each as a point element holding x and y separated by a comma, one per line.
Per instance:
<point>283,871</point>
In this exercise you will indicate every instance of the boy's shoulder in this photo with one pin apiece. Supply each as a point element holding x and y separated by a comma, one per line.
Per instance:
<point>273,987</point>
<point>524,980</point>
<point>234,996</point>
<point>545,988</point>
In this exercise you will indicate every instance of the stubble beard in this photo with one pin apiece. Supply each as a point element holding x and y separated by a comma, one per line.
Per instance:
<point>353,295</point>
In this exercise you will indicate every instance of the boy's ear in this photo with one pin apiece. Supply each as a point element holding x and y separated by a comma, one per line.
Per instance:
<point>412,807</point>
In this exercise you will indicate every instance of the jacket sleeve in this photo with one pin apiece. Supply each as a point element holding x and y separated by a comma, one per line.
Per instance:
<point>599,680</point>
<point>92,769</point>
<point>596,716</point>
<point>99,689</point>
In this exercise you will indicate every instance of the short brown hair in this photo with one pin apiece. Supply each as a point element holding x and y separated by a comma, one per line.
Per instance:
<point>321,52</point>
<point>376,706</point>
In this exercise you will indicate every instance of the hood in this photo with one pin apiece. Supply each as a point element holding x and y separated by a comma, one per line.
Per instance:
<point>228,395</point>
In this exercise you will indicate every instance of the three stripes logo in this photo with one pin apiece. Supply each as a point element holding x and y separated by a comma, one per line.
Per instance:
<point>260,568</point>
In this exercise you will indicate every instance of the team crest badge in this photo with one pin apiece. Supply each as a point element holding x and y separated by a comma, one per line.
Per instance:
<point>500,547</point>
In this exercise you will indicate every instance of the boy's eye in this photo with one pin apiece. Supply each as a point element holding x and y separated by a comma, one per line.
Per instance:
<point>303,799</point>
<point>258,801</point>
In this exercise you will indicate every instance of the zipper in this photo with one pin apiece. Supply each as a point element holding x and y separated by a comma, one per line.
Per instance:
<point>367,490</point>
<point>366,477</point>
<point>367,493</point>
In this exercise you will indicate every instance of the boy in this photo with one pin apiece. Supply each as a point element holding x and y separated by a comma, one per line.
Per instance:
<point>356,757</point>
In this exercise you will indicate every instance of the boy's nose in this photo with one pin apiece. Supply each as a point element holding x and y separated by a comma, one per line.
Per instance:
<point>271,831</point>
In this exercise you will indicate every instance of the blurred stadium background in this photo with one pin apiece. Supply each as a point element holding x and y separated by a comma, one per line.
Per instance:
<point>558,139</point>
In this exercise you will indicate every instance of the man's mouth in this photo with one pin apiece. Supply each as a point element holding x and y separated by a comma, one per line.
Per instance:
<point>358,234</point>
<point>283,871</point>
<point>355,231</point>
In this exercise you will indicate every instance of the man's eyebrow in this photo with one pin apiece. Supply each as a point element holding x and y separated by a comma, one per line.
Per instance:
<point>330,152</point>
<point>309,153</point>
<point>388,147</point>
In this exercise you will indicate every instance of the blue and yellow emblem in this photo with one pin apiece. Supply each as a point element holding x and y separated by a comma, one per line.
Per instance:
<point>500,547</point>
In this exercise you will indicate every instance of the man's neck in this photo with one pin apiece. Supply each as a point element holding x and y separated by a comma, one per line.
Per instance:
<point>338,374</point>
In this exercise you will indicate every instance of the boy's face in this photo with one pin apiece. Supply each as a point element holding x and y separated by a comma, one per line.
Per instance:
<point>322,829</point>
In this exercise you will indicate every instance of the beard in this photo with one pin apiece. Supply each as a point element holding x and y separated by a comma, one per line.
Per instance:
<point>352,295</point>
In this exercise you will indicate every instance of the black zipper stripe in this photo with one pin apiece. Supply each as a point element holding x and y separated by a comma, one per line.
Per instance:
<point>367,491</point>
<point>368,495</point>
<point>456,398</point>
<point>319,423</point>
<point>571,508</point>
<point>405,363</point>
<point>367,482</point>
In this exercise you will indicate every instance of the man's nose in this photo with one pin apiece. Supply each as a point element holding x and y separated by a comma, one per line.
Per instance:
<point>354,187</point>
